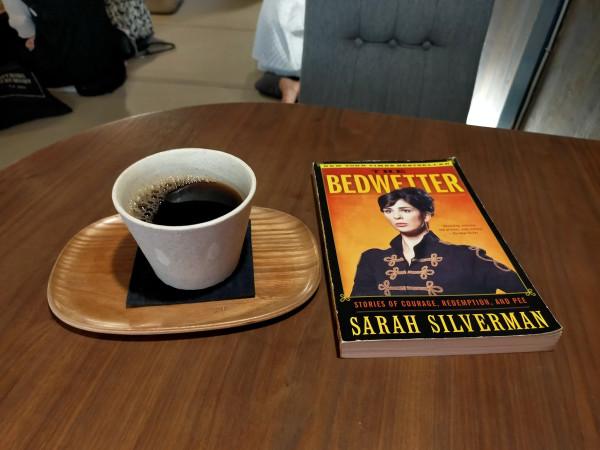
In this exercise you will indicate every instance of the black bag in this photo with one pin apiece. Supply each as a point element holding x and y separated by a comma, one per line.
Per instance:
<point>133,20</point>
<point>23,98</point>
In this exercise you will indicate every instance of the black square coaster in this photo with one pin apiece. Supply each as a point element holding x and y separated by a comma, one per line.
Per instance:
<point>146,289</point>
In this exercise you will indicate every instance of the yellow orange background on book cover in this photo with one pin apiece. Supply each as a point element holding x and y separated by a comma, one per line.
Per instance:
<point>358,224</point>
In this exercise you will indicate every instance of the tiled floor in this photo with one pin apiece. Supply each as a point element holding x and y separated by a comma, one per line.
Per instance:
<point>211,64</point>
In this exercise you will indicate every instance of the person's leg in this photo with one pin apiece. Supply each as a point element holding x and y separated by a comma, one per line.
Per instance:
<point>290,90</point>
<point>284,88</point>
<point>278,48</point>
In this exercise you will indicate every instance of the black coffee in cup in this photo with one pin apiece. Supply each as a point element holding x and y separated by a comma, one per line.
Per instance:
<point>181,201</point>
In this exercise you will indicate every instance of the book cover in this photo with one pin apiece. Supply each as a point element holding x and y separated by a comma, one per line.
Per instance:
<point>417,267</point>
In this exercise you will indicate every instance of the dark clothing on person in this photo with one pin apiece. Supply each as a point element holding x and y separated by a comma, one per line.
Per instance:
<point>438,268</point>
<point>75,44</point>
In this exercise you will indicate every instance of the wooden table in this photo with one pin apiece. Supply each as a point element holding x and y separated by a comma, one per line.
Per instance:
<point>280,384</point>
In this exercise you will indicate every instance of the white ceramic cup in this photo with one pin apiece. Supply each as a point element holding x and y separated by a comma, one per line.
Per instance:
<point>191,256</point>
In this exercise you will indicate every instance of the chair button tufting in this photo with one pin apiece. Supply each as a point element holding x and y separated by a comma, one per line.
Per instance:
<point>358,42</point>
<point>426,45</point>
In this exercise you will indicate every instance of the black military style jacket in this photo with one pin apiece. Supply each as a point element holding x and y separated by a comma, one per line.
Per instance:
<point>438,268</point>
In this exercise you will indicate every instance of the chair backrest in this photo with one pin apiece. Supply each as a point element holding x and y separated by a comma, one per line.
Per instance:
<point>410,57</point>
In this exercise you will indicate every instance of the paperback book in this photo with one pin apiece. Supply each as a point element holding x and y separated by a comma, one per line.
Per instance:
<point>417,267</point>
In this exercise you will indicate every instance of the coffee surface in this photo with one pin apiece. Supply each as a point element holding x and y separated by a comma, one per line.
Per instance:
<point>184,201</point>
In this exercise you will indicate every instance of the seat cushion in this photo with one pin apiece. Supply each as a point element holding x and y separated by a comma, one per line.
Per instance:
<point>417,58</point>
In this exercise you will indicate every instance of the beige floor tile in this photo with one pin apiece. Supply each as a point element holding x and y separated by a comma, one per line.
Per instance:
<point>136,97</point>
<point>229,14</point>
<point>205,55</point>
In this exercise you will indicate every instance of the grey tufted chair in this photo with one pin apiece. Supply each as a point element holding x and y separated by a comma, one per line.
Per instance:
<point>410,57</point>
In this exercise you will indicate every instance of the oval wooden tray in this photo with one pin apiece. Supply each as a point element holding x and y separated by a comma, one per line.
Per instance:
<point>89,282</point>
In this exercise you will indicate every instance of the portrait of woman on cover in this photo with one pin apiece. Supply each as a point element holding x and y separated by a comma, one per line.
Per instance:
<point>420,263</point>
